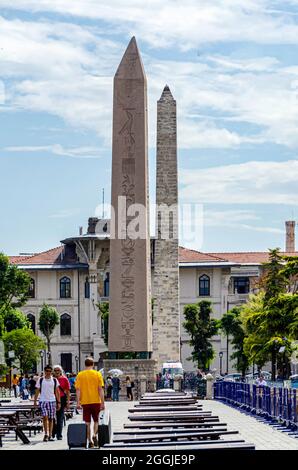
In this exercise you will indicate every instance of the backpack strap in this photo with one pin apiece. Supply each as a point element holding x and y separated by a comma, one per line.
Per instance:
<point>55,384</point>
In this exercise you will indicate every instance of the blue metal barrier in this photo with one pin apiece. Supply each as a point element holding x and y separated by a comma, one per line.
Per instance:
<point>267,402</point>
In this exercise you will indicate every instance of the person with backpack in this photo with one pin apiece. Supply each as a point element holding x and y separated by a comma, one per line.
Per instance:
<point>49,401</point>
<point>64,390</point>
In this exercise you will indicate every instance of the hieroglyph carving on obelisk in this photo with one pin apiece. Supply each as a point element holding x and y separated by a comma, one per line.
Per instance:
<point>130,306</point>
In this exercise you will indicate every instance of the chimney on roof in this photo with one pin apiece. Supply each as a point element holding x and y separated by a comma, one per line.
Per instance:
<point>81,231</point>
<point>290,236</point>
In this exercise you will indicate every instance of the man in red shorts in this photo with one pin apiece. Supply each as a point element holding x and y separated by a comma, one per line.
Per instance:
<point>90,396</point>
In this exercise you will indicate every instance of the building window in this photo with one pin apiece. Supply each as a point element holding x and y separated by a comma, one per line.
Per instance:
<point>31,291</point>
<point>106,286</point>
<point>204,285</point>
<point>31,319</point>
<point>241,285</point>
<point>66,362</point>
<point>87,289</point>
<point>65,325</point>
<point>65,284</point>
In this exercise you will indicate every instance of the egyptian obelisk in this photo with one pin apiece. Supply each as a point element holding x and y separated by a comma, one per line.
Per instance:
<point>166,325</point>
<point>130,323</point>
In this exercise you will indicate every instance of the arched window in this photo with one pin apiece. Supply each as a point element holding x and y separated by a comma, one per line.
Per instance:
<point>204,285</point>
<point>31,319</point>
<point>87,288</point>
<point>65,325</point>
<point>65,285</point>
<point>106,287</point>
<point>31,291</point>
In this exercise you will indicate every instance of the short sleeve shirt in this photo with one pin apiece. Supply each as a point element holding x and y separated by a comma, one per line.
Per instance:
<point>88,382</point>
<point>47,389</point>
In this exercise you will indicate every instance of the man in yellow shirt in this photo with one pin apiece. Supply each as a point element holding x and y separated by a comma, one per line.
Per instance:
<point>90,396</point>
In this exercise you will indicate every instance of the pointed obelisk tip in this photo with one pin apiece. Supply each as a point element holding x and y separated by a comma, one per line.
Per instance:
<point>131,65</point>
<point>166,94</point>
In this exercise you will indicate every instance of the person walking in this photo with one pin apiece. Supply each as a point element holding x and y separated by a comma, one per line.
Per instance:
<point>115,388</point>
<point>129,388</point>
<point>15,382</point>
<point>64,391</point>
<point>25,386</point>
<point>109,385</point>
<point>48,388</point>
<point>32,386</point>
<point>90,396</point>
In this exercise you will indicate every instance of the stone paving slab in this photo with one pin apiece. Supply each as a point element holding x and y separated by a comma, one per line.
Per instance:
<point>251,430</point>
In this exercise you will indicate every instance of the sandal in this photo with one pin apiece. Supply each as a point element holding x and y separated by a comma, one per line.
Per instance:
<point>46,438</point>
<point>95,441</point>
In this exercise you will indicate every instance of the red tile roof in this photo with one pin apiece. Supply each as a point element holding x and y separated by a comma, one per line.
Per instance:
<point>50,257</point>
<point>18,259</point>
<point>256,257</point>
<point>191,256</point>
<point>186,255</point>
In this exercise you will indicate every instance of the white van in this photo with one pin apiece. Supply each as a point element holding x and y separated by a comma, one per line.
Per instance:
<point>173,368</point>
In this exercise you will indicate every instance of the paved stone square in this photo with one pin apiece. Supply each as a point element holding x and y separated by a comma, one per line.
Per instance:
<point>262,435</point>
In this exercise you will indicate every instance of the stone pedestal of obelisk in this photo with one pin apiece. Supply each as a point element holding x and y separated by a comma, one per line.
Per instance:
<point>166,325</point>
<point>130,322</point>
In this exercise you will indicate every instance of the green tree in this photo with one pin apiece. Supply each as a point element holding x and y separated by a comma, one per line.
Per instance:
<point>14,287</point>
<point>231,323</point>
<point>227,327</point>
<point>48,319</point>
<point>14,320</point>
<point>103,311</point>
<point>201,328</point>
<point>26,346</point>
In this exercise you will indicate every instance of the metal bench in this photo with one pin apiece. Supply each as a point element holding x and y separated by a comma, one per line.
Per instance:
<point>179,444</point>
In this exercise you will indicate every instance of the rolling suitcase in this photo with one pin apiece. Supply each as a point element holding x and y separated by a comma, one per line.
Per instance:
<point>77,435</point>
<point>104,428</point>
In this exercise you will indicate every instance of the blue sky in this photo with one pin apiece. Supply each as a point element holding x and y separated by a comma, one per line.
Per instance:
<point>232,66</point>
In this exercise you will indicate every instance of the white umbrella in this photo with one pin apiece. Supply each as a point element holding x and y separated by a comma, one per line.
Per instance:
<point>115,372</point>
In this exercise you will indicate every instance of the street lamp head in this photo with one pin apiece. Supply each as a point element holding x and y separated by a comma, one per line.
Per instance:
<point>220,354</point>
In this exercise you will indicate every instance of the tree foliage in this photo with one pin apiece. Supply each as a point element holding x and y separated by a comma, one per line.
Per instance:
<point>14,288</point>
<point>26,346</point>
<point>48,319</point>
<point>270,317</point>
<point>231,325</point>
<point>104,311</point>
<point>14,320</point>
<point>201,328</point>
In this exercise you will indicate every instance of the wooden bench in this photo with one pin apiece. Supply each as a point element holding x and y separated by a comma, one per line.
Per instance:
<point>172,425</point>
<point>211,445</point>
<point>136,432</point>
<point>172,436</point>
<point>186,443</point>
<point>139,409</point>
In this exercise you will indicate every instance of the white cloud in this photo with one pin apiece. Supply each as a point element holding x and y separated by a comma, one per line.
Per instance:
<point>66,70</point>
<point>184,24</point>
<point>236,219</point>
<point>57,149</point>
<point>247,183</point>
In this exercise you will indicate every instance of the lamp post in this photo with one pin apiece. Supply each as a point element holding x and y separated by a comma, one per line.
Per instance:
<point>41,353</point>
<point>220,362</point>
<point>77,363</point>
<point>49,357</point>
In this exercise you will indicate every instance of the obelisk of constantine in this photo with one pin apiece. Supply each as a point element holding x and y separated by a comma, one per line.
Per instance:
<point>166,325</point>
<point>130,321</point>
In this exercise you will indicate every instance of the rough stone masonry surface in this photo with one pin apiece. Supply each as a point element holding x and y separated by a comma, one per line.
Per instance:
<point>262,435</point>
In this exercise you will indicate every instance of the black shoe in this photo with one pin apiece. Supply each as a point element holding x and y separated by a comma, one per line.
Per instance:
<point>59,438</point>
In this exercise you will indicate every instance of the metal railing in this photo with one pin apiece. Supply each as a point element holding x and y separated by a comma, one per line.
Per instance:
<point>271,403</point>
